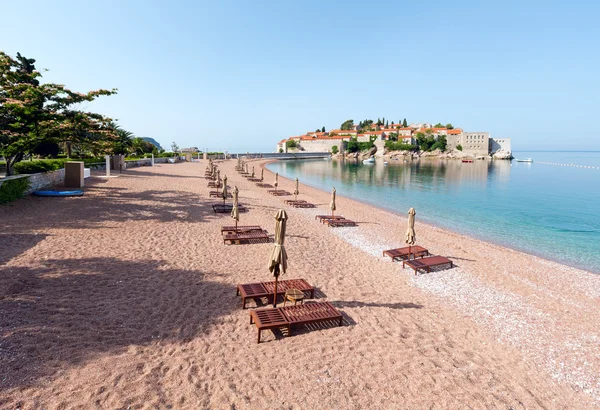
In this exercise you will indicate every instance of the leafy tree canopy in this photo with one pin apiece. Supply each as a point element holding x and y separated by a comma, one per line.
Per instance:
<point>347,125</point>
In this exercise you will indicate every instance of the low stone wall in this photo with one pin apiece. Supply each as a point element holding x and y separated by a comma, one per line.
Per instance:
<point>41,180</point>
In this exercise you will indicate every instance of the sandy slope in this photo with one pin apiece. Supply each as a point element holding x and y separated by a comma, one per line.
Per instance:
<point>125,298</point>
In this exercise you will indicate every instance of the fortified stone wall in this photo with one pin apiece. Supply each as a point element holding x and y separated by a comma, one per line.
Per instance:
<point>320,145</point>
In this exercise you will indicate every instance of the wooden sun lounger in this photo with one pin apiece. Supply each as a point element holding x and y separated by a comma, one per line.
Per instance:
<point>289,316</point>
<point>321,217</point>
<point>278,192</point>
<point>240,228</point>
<point>335,223</point>
<point>240,238</point>
<point>427,263</point>
<point>267,289</point>
<point>227,208</point>
<point>218,194</point>
<point>254,179</point>
<point>262,185</point>
<point>403,253</point>
<point>299,203</point>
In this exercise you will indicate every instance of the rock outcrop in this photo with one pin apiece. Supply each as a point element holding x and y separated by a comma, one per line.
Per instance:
<point>502,154</point>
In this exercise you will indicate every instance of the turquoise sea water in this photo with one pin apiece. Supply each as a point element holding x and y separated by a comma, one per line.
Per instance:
<point>550,207</point>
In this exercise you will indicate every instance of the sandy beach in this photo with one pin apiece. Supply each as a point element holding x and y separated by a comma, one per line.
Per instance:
<point>125,298</point>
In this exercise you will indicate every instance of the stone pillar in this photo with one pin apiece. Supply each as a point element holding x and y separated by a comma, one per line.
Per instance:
<point>152,160</point>
<point>107,157</point>
<point>205,155</point>
<point>118,162</point>
<point>74,174</point>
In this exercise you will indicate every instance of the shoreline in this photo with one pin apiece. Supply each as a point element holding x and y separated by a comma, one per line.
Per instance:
<point>537,276</point>
<point>433,225</point>
<point>127,295</point>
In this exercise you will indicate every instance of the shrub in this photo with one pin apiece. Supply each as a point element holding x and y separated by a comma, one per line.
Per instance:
<point>13,189</point>
<point>33,167</point>
<point>291,144</point>
<point>398,146</point>
<point>459,147</point>
<point>280,150</point>
<point>334,149</point>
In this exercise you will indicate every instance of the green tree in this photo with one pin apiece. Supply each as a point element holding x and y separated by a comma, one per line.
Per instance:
<point>353,145</point>
<point>323,129</point>
<point>449,126</point>
<point>347,125</point>
<point>32,113</point>
<point>334,149</point>
<point>404,123</point>
<point>174,147</point>
<point>459,147</point>
<point>123,141</point>
<point>438,125</point>
<point>440,143</point>
<point>291,144</point>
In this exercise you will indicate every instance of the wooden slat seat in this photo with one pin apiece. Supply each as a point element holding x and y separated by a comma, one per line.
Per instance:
<point>321,217</point>
<point>263,185</point>
<point>267,289</point>
<point>218,194</point>
<point>300,203</point>
<point>227,208</point>
<point>403,253</point>
<point>427,263</point>
<point>240,228</point>
<point>278,192</point>
<point>240,238</point>
<point>284,285</point>
<point>297,315</point>
<point>335,223</point>
<point>269,319</point>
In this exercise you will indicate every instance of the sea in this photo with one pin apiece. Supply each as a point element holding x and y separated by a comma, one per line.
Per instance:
<point>549,208</point>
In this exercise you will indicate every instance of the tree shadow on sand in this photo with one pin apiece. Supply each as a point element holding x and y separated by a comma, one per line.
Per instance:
<point>70,311</point>
<point>108,204</point>
<point>12,245</point>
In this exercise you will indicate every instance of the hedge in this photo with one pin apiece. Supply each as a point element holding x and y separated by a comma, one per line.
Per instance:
<point>46,165</point>
<point>13,189</point>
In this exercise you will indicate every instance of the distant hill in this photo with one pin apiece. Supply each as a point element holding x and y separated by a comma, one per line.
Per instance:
<point>153,142</point>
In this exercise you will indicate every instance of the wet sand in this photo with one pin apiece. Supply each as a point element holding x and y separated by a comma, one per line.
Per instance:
<point>125,298</point>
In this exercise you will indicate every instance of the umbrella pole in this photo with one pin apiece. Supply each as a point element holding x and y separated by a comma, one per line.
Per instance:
<point>276,273</point>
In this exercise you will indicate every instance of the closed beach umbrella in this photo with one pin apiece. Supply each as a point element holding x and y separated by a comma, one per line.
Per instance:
<point>278,258</point>
<point>332,203</point>
<point>246,167</point>
<point>262,174</point>
<point>235,212</point>
<point>252,171</point>
<point>218,179</point>
<point>296,191</point>
<point>224,192</point>
<point>276,179</point>
<point>411,238</point>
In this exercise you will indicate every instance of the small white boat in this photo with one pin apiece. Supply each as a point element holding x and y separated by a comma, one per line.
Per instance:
<point>525,160</point>
<point>369,161</point>
<point>385,162</point>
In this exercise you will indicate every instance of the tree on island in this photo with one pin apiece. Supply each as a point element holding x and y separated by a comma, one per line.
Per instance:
<point>404,123</point>
<point>323,129</point>
<point>449,126</point>
<point>347,125</point>
<point>438,125</point>
<point>32,113</point>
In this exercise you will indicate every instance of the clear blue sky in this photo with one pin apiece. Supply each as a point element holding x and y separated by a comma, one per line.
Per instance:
<point>242,75</point>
